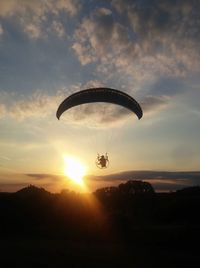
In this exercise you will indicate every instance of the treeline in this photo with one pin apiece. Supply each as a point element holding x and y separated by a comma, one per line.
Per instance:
<point>108,211</point>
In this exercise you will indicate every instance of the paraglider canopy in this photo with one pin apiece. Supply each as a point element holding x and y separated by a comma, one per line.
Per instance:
<point>101,94</point>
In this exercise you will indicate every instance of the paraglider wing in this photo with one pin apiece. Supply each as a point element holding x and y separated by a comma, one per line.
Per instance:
<point>100,95</point>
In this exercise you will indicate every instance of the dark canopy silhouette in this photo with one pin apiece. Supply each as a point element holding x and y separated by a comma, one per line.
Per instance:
<point>101,94</point>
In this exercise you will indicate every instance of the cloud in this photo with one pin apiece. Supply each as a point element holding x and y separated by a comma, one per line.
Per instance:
<point>72,7</point>
<point>145,40</point>
<point>151,104</point>
<point>5,157</point>
<point>33,16</point>
<point>96,35</point>
<point>83,53</point>
<point>38,176</point>
<point>99,115</point>
<point>58,28</point>
<point>2,110</point>
<point>153,18</point>
<point>154,44</point>
<point>169,31</point>
<point>168,86</point>
<point>33,30</point>
<point>40,105</point>
<point>38,8</point>
<point>1,30</point>
<point>161,180</point>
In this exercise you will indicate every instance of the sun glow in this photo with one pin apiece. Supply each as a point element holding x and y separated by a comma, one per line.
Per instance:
<point>74,170</point>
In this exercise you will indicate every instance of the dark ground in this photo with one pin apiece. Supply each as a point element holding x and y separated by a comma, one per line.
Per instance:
<point>126,228</point>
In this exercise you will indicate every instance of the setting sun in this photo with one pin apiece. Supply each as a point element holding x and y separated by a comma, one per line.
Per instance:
<point>74,170</point>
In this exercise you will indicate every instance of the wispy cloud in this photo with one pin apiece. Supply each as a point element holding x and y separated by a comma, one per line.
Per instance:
<point>5,157</point>
<point>2,110</point>
<point>153,104</point>
<point>40,105</point>
<point>43,176</point>
<point>38,8</point>
<point>1,30</point>
<point>97,36</point>
<point>33,16</point>
<point>161,180</point>
<point>58,28</point>
<point>155,40</point>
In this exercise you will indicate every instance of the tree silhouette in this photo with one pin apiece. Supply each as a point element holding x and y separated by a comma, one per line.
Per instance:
<point>132,187</point>
<point>136,187</point>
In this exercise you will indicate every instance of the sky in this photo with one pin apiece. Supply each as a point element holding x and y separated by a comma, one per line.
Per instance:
<point>51,49</point>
